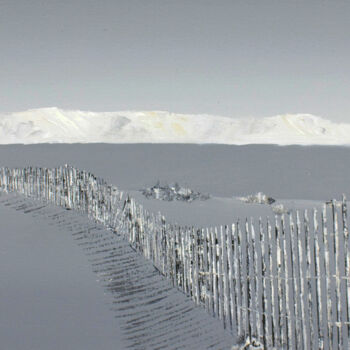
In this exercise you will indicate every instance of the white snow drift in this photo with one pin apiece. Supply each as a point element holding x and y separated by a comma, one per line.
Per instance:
<point>53,125</point>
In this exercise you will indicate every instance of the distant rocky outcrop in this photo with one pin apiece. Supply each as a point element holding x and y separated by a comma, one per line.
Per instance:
<point>173,192</point>
<point>258,198</point>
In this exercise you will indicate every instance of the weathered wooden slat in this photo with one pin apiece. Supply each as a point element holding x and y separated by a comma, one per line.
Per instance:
<point>184,261</point>
<point>226,291</point>
<point>174,256</point>
<point>280,229</point>
<point>220,273</point>
<point>231,277</point>
<point>214,274</point>
<point>322,256</point>
<point>267,302</point>
<point>196,265</point>
<point>313,309</point>
<point>304,283</point>
<point>205,270</point>
<point>210,276</point>
<point>238,281</point>
<point>258,272</point>
<point>274,285</point>
<point>189,246</point>
<point>252,279</point>
<point>244,280</point>
<point>347,258</point>
<point>201,281</point>
<point>315,261</point>
<point>333,319</point>
<point>290,293</point>
<point>341,274</point>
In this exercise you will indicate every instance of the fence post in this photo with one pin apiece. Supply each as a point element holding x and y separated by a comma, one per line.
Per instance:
<point>205,271</point>
<point>342,277</point>
<point>322,281</point>
<point>211,273</point>
<point>214,274</point>
<point>226,292</point>
<point>290,295</point>
<point>280,231</point>
<point>244,280</point>
<point>258,271</point>
<point>251,279</point>
<point>333,280</point>
<point>195,236</point>
<point>233,305</point>
<point>237,268</point>
<point>267,278</point>
<point>347,259</point>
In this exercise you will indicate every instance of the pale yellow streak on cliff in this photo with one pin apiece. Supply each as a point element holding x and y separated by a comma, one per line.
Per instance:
<point>158,125</point>
<point>153,114</point>
<point>178,129</point>
<point>288,122</point>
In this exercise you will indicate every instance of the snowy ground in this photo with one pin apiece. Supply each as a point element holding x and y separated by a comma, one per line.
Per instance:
<point>51,299</point>
<point>217,210</point>
<point>49,295</point>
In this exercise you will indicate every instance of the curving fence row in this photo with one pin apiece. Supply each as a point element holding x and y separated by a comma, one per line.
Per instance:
<point>275,283</point>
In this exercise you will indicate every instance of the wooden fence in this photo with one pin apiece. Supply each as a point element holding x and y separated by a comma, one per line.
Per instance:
<point>281,283</point>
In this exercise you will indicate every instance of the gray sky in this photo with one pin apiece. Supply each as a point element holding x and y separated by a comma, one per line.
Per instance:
<point>233,58</point>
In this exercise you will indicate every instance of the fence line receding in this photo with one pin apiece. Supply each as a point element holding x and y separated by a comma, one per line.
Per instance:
<point>282,282</point>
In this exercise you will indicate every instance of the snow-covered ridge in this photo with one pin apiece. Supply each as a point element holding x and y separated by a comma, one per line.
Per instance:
<point>53,125</point>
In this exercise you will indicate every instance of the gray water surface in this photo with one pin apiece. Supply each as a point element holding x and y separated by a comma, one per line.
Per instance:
<point>290,172</point>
